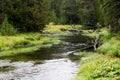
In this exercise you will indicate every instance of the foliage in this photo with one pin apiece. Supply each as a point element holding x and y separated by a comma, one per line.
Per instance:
<point>59,29</point>
<point>111,47</point>
<point>111,43</point>
<point>91,33</point>
<point>99,67</point>
<point>88,15</point>
<point>109,12</point>
<point>6,28</point>
<point>25,40</point>
<point>66,11</point>
<point>27,15</point>
<point>105,34</point>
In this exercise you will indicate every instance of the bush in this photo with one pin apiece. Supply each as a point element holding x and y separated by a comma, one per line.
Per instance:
<point>6,28</point>
<point>111,47</point>
<point>105,34</point>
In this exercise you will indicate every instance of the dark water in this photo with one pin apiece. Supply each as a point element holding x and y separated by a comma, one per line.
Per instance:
<point>54,63</point>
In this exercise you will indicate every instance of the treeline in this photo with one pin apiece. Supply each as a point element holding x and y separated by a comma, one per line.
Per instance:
<point>33,15</point>
<point>92,14</point>
<point>109,14</point>
<point>26,15</point>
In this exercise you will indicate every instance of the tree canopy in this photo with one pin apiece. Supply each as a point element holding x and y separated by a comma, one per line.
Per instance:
<point>33,15</point>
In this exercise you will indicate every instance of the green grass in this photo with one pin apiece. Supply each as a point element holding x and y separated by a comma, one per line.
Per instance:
<point>110,47</point>
<point>99,67</point>
<point>60,29</point>
<point>19,50</point>
<point>23,50</point>
<point>9,42</point>
<point>28,42</point>
<point>91,35</point>
<point>23,43</point>
<point>105,34</point>
<point>111,44</point>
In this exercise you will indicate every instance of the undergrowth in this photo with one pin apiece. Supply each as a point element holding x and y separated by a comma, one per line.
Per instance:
<point>111,45</point>
<point>105,64</point>
<point>99,67</point>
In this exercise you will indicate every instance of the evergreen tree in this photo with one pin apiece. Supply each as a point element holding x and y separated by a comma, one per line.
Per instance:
<point>27,15</point>
<point>87,10</point>
<point>109,13</point>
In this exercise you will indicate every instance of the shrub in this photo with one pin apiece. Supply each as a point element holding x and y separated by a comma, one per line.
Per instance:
<point>6,28</point>
<point>111,47</point>
<point>105,34</point>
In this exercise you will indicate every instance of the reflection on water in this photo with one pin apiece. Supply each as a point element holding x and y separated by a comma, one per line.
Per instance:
<point>54,63</point>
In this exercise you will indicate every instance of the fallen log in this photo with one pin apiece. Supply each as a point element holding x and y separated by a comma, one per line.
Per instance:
<point>95,44</point>
<point>88,47</point>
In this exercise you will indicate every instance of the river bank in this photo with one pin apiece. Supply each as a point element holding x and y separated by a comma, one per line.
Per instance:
<point>48,63</point>
<point>99,67</point>
<point>105,63</point>
<point>24,43</point>
<point>30,42</point>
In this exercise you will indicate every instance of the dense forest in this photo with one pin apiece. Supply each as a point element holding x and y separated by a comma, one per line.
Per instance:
<point>33,15</point>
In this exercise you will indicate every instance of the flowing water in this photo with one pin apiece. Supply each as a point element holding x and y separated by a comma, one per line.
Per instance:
<point>54,63</point>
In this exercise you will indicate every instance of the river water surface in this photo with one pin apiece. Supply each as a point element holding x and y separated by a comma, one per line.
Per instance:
<point>54,63</point>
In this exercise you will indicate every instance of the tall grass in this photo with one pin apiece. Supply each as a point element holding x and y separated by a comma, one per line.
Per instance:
<point>25,40</point>
<point>111,47</point>
<point>57,28</point>
<point>105,34</point>
<point>99,67</point>
<point>61,29</point>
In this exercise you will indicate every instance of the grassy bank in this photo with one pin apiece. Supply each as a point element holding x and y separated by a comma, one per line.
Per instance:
<point>29,42</point>
<point>24,43</point>
<point>99,67</point>
<point>105,64</point>
<point>61,29</point>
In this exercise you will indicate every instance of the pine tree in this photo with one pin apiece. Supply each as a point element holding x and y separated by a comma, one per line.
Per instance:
<point>27,15</point>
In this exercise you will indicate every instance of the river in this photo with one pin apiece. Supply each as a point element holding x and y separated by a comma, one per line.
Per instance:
<point>53,63</point>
